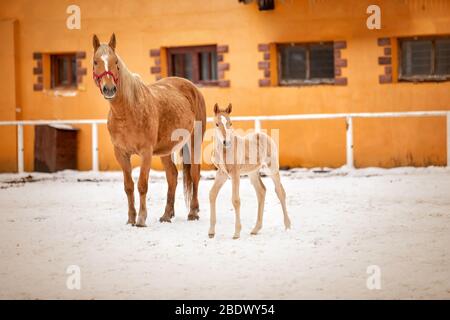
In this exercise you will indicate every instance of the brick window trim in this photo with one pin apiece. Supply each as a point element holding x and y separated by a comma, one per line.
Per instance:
<point>38,69</point>
<point>155,54</point>
<point>339,63</point>
<point>385,60</point>
<point>159,69</point>
<point>38,85</point>
<point>264,65</point>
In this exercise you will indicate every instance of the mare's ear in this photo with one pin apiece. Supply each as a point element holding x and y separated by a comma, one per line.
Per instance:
<point>95,42</point>
<point>112,42</point>
<point>229,108</point>
<point>216,108</point>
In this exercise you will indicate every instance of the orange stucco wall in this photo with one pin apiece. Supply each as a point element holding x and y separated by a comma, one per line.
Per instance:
<point>8,149</point>
<point>142,25</point>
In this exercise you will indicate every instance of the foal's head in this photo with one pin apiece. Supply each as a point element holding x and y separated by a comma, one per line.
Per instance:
<point>106,67</point>
<point>223,124</point>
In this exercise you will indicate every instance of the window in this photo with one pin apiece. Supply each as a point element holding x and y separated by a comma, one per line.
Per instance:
<point>425,59</point>
<point>63,69</point>
<point>306,63</point>
<point>198,64</point>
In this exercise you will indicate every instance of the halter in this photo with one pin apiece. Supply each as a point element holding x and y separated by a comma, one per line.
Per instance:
<point>98,77</point>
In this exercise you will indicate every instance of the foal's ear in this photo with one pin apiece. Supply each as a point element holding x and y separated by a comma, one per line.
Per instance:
<point>95,42</point>
<point>229,108</point>
<point>112,42</point>
<point>216,108</point>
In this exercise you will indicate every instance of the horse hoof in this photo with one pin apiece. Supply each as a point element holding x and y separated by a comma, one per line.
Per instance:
<point>235,237</point>
<point>211,235</point>
<point>164,219</point>
<point>193,217</point>
<point>254,233</point>
<point>141,225</point>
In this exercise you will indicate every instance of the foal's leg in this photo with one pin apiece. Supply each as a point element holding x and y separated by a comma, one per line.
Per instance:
<point>282,196</point>
<point>221,178</point>
<point>124,162</point>
<point>260,189</point>
<point>236,204</point>
<point>171,176</point>
<point>143,187</point>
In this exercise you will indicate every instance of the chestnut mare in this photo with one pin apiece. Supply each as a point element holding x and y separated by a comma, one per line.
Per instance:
<point>141,121</point>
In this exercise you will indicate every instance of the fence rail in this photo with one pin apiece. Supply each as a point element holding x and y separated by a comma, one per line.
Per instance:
<point>257,125</point>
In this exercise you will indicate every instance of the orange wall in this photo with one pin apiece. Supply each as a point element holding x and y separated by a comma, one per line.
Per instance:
<point>8,150</point>
<point>141,25</point>
<point>410,142</point>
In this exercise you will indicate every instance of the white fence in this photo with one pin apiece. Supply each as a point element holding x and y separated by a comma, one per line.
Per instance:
<point>257,124</point>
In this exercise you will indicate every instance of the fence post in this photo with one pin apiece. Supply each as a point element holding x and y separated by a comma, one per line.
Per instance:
<point>349,143</point>
<point>448,139</point>
<point>257,125</point>
<point>20,165</point>
<point>94,146</point>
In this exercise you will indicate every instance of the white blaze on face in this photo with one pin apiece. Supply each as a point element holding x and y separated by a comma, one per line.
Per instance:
<point>104,57</point>
<point>224,121</point>
<point>219,130</point>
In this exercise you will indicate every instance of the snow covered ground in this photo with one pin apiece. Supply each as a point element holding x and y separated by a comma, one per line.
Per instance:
<point>398,220</point>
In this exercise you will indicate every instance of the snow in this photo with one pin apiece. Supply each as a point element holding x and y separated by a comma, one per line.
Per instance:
<point>343,222</point>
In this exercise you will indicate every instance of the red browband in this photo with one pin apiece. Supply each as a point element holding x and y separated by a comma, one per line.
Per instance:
<point>98,77</point>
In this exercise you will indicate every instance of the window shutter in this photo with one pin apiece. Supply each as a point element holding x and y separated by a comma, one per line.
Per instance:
<point>293,62</point>
<point>182,65</point>
<point>208,65</point>
<point>443,57</point>
<point>417,58</point>
<point>321,62</point>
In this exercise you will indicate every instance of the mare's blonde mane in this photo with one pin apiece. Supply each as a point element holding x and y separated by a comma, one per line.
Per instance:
<point>131,87</point>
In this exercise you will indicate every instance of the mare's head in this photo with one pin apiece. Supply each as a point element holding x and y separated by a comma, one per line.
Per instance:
<point>223,124</point>
<point>106,67</point>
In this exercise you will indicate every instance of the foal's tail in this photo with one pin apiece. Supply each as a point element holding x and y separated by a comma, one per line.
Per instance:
<point>187,178</point>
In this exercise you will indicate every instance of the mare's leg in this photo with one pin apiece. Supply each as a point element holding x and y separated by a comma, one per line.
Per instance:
<point>124,162</point>
<point>143,187</point>
<point>171,176</point>
<point>260,189</point>
<point>282,196</point>
<point>236,204</point>
<point>221,178</point>
<point>195,176</point>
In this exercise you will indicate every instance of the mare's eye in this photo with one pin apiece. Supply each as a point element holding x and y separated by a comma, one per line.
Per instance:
<point>95,63</point>
<point>217,124</point>
<point>117,61</point>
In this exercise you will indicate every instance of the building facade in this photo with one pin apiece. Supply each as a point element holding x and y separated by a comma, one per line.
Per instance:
<point>302,57</point>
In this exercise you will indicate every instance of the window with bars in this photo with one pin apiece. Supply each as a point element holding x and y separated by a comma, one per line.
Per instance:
<point>310,63</point>
<point>198,64</point>
<point>63,71</point>
<point>425,59</point>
